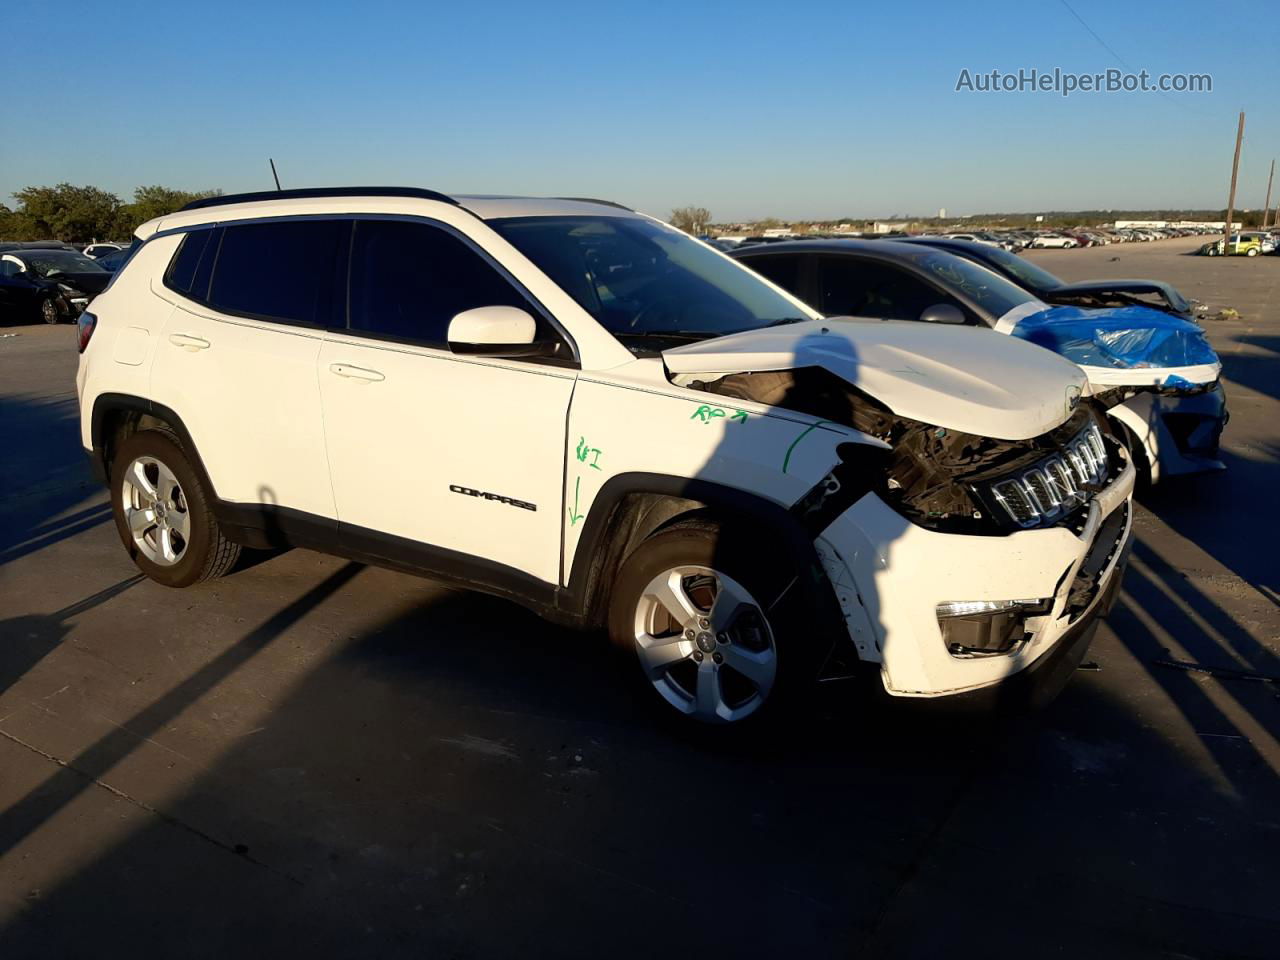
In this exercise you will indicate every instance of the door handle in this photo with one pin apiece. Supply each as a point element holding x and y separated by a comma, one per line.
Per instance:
<point>188,342</point>
<point>355,373</point>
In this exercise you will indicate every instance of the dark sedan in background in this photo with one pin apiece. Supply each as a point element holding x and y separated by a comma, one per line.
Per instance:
<point>47,284</point>
<point>1152,371</point>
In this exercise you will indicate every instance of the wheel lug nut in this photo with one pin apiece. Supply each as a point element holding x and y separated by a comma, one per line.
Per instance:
<point>689,634</point>
<point>697,656</point>
<point>722,638</point>
<point>703,622</point>
<point>717,658</point>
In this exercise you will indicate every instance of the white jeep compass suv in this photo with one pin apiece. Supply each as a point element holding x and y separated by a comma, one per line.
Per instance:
<point>580,408</point>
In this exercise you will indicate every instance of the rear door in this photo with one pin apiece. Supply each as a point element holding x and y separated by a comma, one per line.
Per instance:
<point>436,457</point>
<point>237,359</point>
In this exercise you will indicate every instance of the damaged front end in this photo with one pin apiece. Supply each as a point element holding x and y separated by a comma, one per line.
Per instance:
<point>939,478</point>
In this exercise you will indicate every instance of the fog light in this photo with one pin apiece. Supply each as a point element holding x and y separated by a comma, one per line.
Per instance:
<point>981,628</point>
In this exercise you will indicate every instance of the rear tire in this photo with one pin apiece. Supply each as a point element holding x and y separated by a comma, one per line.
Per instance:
<point>720,628</point>
<point>164,515</point>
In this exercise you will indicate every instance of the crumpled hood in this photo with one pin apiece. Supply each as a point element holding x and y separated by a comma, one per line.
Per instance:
<point>963,378</point>
<point>90,283</point>
<point>1177,302</point>
<point>1123,346</point>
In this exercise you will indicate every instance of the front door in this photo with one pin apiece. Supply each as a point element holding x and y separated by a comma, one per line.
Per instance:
<point>434,455</point>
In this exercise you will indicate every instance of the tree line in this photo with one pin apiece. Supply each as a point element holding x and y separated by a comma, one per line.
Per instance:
<point>84,214</point>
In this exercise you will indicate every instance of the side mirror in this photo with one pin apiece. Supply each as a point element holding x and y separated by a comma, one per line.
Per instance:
<point>497,332</point>
<point>942,313</point>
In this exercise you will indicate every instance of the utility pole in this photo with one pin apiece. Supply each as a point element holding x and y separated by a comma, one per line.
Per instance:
<point>1231,199</point>
<point>1266,207</point>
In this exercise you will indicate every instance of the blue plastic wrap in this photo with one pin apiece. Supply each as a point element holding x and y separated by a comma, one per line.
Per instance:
<point>1121,337</point>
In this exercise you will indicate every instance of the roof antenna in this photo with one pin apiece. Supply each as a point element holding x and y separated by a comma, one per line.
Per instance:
<point>273,172</point>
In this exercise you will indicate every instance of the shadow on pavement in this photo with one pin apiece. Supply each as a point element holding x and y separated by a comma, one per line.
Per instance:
<point>466,778</point>
<point>40,476</point>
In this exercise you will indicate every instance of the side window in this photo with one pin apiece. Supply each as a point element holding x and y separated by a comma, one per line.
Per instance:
<point>869,288</point>
<point>9,268</point>
<point>781,268</point>
<point>283,271</point>
<point>408,280</point>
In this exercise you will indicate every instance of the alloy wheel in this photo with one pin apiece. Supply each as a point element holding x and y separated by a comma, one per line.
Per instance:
<point>705,644</point>
<point>155,511</point>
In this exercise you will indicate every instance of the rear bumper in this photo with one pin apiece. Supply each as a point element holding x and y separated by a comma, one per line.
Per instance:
<point>890,575</point>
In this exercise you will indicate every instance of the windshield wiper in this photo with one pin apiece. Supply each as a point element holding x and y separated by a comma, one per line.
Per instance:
<point>669,334</point>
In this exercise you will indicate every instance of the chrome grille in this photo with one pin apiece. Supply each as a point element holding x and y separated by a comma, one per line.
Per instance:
<point>1057,484</point>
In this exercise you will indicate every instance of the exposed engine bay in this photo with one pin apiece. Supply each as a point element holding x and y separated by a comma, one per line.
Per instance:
<point>936,477</point>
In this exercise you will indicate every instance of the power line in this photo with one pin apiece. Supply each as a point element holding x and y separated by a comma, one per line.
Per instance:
<point>1123,62</point>
<point>1093,33</point>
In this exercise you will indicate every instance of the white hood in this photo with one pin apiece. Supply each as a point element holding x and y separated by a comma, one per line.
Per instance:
<point>964,378</point>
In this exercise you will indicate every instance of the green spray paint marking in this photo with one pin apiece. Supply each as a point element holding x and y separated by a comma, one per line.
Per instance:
<point>787,459</point>
<point>574,515</point>
<point>707,413</point>
<point>585,451</point>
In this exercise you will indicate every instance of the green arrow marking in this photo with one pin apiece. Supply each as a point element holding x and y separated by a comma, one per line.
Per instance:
<point>574,515</point>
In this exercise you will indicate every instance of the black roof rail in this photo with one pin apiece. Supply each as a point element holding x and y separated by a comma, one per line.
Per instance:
<point>313,192</point>
<point>607,203</point>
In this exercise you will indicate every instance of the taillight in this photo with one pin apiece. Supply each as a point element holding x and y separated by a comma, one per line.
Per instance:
<point>85,325</point>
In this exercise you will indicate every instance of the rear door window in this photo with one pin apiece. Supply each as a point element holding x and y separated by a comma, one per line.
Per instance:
<point>284,271</point>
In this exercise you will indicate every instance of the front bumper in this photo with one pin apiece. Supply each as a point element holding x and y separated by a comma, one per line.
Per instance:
<point>889,576</point>
<point>1179,433</point>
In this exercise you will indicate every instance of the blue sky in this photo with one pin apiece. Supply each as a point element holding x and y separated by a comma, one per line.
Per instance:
<point>801,109</point>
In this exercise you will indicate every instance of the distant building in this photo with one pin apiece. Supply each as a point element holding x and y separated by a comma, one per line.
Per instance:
<point>881,227</point>
<point>942,213</point>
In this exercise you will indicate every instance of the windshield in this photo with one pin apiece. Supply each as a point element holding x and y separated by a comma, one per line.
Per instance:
<point>640,278</point>
<point>1027,273</point>
<point>51,263</point>
<point>965,278</point>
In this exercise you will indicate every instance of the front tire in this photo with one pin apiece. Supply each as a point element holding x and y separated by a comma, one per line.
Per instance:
<point>163,513</point>
<point>716,622</point>
<point>49,310</point>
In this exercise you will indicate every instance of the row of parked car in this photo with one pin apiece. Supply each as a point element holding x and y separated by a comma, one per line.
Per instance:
<point>806,460</point>
<point>1012,240</point>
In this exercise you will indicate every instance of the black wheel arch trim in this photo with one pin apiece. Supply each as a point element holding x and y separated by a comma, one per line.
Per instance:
<point>593,565</point>
<point>106,404</point>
